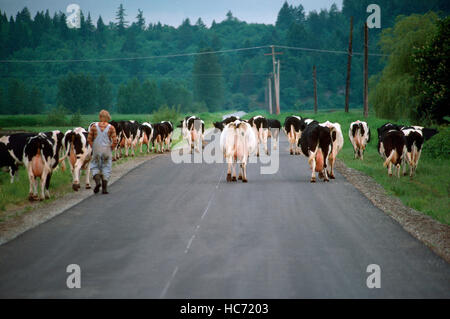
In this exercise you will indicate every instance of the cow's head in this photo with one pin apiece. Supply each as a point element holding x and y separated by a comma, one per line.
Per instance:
<point>429,133</point>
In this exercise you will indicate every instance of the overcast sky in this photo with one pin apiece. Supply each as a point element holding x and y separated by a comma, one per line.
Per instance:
<point>172,12</point>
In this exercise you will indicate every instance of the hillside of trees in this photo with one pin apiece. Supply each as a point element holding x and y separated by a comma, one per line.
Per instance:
<point>93,77</point>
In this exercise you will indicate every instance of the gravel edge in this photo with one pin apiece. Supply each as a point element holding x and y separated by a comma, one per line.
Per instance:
<point>432,233</point>
<point>14,227</point>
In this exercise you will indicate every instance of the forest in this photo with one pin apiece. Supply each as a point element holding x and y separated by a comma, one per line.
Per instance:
<point>134,66</point>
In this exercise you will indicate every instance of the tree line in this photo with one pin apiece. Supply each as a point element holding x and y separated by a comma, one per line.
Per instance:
<point>206,82</point>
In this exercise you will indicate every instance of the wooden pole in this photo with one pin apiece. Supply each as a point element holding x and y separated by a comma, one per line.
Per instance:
<point>366,71</point>
<point>278,88</point>
<point>349,66</point>
<point>315,89</point>
<point>275,78</point>
<point>269,82</point>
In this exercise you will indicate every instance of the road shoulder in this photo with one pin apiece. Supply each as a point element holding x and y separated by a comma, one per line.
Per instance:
<point>432,233</point>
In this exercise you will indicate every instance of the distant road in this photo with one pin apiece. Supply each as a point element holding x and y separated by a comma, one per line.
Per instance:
<point>180,231</point>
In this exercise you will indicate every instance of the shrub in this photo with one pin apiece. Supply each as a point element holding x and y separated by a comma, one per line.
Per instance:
<point>76,119</point>
<point>57,116</point>
<point>439,145</point>
<point>166,113</point>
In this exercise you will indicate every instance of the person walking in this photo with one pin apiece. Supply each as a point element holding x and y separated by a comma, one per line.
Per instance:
<point>102,138</point>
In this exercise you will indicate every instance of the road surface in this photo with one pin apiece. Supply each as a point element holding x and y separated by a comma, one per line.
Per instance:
<point>171,230</point>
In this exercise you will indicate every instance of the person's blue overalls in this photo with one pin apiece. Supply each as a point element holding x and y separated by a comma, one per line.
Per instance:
<point>101,162</point>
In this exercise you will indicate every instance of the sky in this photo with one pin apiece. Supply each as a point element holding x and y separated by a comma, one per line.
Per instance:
<point>171,12</point>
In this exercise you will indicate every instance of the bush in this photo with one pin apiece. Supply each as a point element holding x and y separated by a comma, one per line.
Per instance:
<point>165,113</point>
<point>57,116</point>
<point>439,145</point>
<point>76,119</point>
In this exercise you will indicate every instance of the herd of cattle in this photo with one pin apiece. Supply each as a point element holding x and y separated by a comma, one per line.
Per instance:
<point>41,153</point>
<point>319,142</point>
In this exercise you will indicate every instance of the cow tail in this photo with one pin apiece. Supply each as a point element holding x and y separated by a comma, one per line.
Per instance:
<point>386,162</point>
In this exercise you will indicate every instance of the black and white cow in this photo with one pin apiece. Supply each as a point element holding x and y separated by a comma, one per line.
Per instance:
<point>146,130</point>
<point>193,129</point>
<point>274,131</point>
<point>79,152</point>
<point>415,136</point>
<point>12,149</point>
<point>359,135</point>
<point>391,147</point>
<point>260,126</point>
<point>338,142</point>
<point>120,140</point>
<point>130,136</point>
<point>160,134</point>
<point>291,128</point>
<point>316,143</point>
<point>41,158</point>
<point>220,125</point>
<point>168,139</point>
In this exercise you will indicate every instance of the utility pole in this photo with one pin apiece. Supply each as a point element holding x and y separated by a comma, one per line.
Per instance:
<point>276,78</point>
<point>315,89</point>
<point>366,71</point>
<point>349,66</point>
<point>269,85</point>
<point>278,87</point>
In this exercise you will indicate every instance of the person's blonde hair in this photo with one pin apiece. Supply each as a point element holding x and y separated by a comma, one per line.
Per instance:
<point>104,116</point>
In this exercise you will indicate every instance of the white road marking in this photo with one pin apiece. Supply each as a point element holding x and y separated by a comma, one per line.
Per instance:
<point>167,286</point>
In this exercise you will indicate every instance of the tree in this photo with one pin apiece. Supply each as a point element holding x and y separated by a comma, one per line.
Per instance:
<point>104,93</point>
<point>207,76</point>
<point>77,92</point>
<point>432,62</point>
<point>140,20</point>
<point>34,103</point>
<point>121,22</point>
<point>395,95</point>
<point>17,97</point>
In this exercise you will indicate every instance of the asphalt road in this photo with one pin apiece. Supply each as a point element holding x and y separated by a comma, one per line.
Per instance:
<point>171,230</point>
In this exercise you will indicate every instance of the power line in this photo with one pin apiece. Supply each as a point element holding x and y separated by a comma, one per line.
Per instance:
<point>185,55</point>
<point>135,58</point>
<point>326,51</point>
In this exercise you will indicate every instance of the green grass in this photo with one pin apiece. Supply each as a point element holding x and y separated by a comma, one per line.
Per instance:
<point>427,192</point>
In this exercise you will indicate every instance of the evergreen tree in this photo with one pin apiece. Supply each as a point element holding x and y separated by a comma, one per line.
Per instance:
<point>121,22</point>
<point>140,20</point>
<point>104,93</point>
<point>208,86</point>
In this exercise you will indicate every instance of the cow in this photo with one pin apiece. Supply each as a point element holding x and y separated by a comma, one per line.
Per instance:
<point>291,128</point>
<point>79,152</point>
<point>260,126</point>
<point>338,142</point>
<point>415,136</point>
<point>12,149</point>
<point>391,147</point>
<point>160,133</point>
<point>146,130</point>
<point>359,135</point>
<point>274,131</point>
<point>237,142</point>
<point>130,136</point>
<point>192,129</point>
<point>41,158</point>
<point>220,125</point>
<point>119,133</point>
<point>168,139</point>
<point>316,143</point>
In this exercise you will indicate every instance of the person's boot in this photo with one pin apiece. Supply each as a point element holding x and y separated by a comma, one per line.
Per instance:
<point>98,183</point>
<point>105,187</point>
